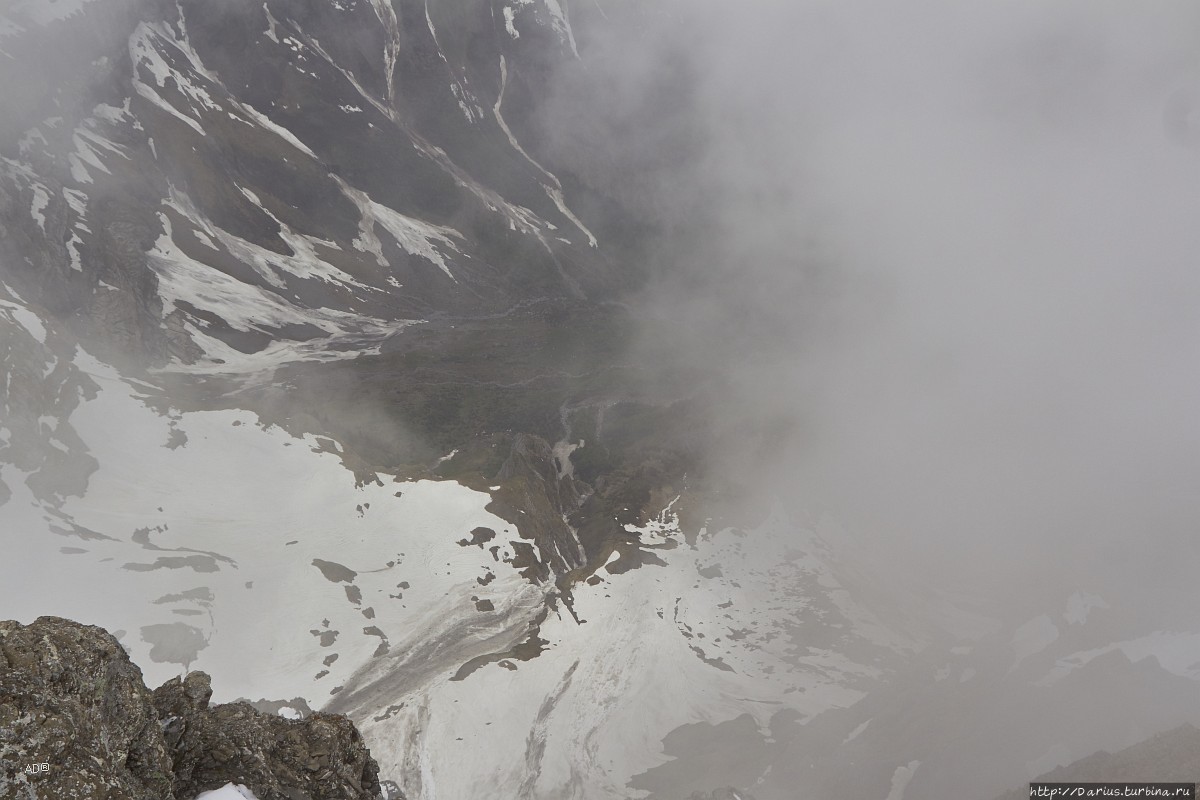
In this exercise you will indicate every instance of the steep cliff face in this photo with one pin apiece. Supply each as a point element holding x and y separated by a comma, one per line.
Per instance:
<point>206,183</point>
<point>77,723</point>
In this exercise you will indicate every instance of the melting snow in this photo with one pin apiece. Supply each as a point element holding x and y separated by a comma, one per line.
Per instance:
<point>414,236</point>
<point>262,121</point>
<point>73,245</point>
<point>41,199</point>
<point>616,682</point>
<point>219,523</point>
<point>40,12</point>
<point>245,307</point>
<point>561,23</point>
<point>24,317</point>
<point>551,185</point>
<point>272,25</point>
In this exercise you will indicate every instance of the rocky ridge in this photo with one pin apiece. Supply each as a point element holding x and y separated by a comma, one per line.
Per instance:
<point>78,723</point>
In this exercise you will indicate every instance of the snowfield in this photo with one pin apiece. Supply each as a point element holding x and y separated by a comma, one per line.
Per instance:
<point>209,541</point>
<point>213,542</point>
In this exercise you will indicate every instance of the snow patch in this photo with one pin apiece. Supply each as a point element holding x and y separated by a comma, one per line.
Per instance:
<point>25,318</point>
<point>900,779</point>
<point>272,25</point>
<point>245,307</point>
<point>41,199</point>
<point>1080,605</point>
<point>240,505</point>
<point>414,236</point>
<point>147,51</point>
<point>560,22</point>
<point>40,12</point>
<point>73,245</point>
<point>261,120</point>
<point>653,649</point>
<point>854,734</point>
<point>230,791</point>
<point>551,184</point>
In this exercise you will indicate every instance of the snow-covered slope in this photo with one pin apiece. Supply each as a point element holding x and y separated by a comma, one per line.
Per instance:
<point>214,208</point>
<point>209,185</point>
<point>205,537</point>
<point>211,541</point>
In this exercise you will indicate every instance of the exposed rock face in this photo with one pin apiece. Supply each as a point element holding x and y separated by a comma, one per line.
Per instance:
<point>71,698</point>
<point>77,723</point>
<point>318,757</point>
<point>379,139</point>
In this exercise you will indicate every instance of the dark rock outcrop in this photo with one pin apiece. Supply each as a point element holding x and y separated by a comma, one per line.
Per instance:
<point>322,756</point>
<point>78,723</point>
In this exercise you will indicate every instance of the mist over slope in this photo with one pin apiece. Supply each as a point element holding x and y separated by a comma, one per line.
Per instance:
<point>946,253</point>
<point>614,399</point>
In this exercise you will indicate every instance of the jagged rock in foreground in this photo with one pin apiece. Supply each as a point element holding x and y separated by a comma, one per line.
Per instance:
<point>78,723</point>
<point>322,756</point>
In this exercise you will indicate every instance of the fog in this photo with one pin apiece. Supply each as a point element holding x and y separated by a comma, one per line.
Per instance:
<point>943,254</point>
<point>930,271</point>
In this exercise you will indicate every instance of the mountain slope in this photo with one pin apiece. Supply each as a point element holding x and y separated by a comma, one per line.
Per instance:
<point>321,375</point>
